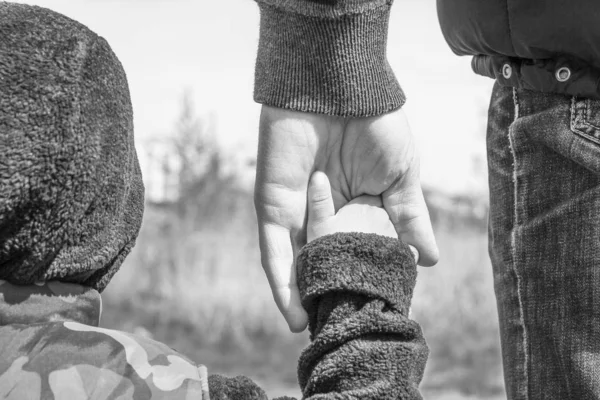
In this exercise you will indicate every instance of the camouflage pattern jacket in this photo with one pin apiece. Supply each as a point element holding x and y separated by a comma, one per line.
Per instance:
<point>355,287</point>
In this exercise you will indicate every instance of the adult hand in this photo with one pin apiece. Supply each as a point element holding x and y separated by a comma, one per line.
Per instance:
<point>364,214</point>
<point>374,155</point>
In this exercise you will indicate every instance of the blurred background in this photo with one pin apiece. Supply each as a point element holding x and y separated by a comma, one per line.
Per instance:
<point>194,280</point>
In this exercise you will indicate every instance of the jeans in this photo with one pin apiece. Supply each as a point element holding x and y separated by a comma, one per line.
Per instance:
<point>544,241</point>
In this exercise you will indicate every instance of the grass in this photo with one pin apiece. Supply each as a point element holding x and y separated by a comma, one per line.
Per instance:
<point>197,285</point>
<point>455,305</point>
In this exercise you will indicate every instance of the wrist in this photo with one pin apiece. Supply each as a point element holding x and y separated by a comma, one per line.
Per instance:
<point>326,62</point>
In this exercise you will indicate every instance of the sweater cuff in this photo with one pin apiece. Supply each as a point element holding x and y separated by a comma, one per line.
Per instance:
<point>368,264</point>
<point>326,60</point>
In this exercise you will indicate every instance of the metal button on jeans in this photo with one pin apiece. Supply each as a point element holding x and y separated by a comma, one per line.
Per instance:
<point>506,71</point>
<point>563,74</point>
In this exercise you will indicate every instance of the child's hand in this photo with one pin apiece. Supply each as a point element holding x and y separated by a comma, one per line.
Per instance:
<point>363,214</point>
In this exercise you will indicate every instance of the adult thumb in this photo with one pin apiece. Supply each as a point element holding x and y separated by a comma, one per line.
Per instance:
<point>320,200</point>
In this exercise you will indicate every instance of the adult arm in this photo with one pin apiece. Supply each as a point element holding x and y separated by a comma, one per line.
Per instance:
<point>326,57</point>
<point>330,103</point>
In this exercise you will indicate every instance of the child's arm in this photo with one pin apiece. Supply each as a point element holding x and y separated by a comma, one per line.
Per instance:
<point>357,288</point>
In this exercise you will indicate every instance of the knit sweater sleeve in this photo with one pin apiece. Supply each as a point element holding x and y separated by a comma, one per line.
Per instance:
<point>357,290</point>
<point>326,56</point>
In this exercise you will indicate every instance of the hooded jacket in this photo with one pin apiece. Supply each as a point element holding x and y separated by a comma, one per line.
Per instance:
<point>328,56</point>
<point>71,191</point>
<point>356,288</point>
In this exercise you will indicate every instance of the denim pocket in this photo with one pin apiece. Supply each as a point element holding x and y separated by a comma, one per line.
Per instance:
<point>584,144</point>
<point>585,118</point>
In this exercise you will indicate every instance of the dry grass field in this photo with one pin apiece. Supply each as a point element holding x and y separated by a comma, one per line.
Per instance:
<point>194,282</point>
<point>199,287</point>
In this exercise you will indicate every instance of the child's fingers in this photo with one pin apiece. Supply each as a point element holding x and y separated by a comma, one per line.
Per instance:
<point>320,201</point>
<point>415,253</point>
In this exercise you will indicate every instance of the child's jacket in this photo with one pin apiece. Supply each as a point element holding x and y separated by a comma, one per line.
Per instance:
<point>355,287</point>
<point>52,348</point>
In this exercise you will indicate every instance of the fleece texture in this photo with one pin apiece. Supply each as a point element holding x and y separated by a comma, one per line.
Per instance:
<point>238,388</point>
<point>326,56</point>
<point>71,191</point>
<point>357,290</point>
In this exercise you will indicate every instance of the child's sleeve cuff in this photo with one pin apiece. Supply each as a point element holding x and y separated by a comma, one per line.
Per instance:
<point>368,264</point>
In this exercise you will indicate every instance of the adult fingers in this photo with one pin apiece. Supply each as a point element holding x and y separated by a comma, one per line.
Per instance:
<point>367,199</point>
<point>320,200</point>
<point>406,206</point>
<point>277,258</point>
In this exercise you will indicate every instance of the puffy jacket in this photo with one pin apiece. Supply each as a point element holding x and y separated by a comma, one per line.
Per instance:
<point>543,45</point>
<point>328,56</point>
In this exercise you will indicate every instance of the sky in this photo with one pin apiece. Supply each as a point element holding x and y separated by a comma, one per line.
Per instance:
<point>208,47</point>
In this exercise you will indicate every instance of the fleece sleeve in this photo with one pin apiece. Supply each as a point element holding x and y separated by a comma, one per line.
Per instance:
<point>326,56</point>
<point>357,290</point>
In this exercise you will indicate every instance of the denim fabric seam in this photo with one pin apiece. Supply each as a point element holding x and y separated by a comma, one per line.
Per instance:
<point>579,118</point>
<point>587,115</point>
<point>513,241</point>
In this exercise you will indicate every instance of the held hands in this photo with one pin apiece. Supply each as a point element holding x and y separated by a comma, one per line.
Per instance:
<point>374,156</point>
<point>363,214</point>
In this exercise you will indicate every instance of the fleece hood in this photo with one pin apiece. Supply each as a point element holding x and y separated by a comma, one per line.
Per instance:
<point>71,191</point>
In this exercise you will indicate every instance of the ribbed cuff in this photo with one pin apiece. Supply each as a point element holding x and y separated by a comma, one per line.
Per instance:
<point>333,63</point>
<point>359,263</point>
